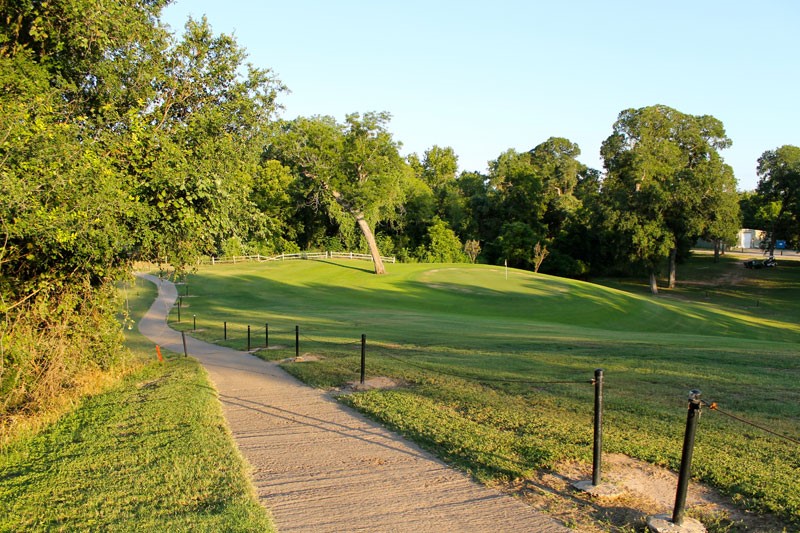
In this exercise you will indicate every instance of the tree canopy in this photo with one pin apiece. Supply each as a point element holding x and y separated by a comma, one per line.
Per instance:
<point>779,184</point>
<point>665,179</point>
<point>118,142</point>
<point>356,164</point>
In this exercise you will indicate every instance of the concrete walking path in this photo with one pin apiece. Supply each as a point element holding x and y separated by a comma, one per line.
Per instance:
<point>320,466</point>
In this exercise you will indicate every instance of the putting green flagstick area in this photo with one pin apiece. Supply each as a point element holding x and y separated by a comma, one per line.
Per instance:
<point>495,372</point>
<point>153,454</point>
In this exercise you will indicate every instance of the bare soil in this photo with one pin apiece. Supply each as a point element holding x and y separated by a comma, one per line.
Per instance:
<point>642,490</point>
<point>304,358</point>
<point>377,382</point>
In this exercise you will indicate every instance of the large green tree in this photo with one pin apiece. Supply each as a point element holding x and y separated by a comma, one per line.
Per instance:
<point>561,172</point>
<point>724,215</point>
<point>779,183</point>
<point>536,189</point>
<point>117,142</point>
<point>196,148</point>
<point>665,178</point>
<point>518,200</point>
<point>357,165</point>
<point>71,75</point>
<point>74,73</point>
<point>432,196</point>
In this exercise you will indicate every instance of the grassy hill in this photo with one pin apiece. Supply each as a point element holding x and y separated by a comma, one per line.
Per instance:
<point>496,364</point>
<point>346,292</point>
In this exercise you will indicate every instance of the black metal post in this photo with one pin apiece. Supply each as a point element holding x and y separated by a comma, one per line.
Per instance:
<point>194,322</point>
<point>686,458</point>
<point>248,337</point>
<point>266,336</point>
<point>296,341</point>
<point>363,356</point>
<point>225,330</point>
<point>598,426</point>
<point>183,337</point>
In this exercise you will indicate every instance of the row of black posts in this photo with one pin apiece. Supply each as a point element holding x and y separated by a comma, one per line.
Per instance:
<point>296,342</point>
<point>266,335</point>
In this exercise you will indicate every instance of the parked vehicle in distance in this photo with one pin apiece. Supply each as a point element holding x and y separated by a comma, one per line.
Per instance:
<point>759,263</point>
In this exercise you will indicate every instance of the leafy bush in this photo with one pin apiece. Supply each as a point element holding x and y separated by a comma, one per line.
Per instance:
<point>442,245</point>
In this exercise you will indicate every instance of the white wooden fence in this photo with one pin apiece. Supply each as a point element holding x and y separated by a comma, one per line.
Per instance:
<point>288,257</point>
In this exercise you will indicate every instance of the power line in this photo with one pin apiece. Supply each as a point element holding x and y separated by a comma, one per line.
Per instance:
<point>713,406</point>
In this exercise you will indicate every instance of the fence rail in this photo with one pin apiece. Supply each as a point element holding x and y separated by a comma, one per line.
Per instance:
<point>289,257</point>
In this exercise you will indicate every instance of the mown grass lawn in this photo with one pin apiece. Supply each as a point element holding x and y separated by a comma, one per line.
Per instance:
<point>497,364</point>
<point>153,454</point>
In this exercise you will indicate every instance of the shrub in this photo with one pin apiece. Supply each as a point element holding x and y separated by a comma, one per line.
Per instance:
<point>50,344</point>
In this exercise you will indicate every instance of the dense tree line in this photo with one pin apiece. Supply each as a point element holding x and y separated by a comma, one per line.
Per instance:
<point>120,141</point>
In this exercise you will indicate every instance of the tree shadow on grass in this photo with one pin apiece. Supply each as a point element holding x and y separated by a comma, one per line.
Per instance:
<point>347,266</point>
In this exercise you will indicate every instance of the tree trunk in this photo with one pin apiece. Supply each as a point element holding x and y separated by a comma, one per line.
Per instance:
<point>673,265</point>
<point>365,229</point>
<point>373,246</point>
<point>653,283</point>
<point>716,250</point>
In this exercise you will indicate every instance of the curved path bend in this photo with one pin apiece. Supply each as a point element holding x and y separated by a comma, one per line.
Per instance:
<point>320,466</point>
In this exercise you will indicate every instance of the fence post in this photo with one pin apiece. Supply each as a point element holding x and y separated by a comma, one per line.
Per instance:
<point>686,457</point>
<point>598,426</point>
<point>183,337</point>
<point>225,330</point>
<point>266,335</point>
<point>363,356</point>
<point>248,337</point>
<point>296,342</point>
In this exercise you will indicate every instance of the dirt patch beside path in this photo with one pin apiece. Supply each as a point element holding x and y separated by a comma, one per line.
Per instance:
<point>378,382</point>
<point>642,490</point>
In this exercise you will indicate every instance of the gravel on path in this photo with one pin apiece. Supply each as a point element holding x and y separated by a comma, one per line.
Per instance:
<point>320,466</point>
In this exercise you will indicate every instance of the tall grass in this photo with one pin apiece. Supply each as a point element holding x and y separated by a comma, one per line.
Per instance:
<point>54,349</point>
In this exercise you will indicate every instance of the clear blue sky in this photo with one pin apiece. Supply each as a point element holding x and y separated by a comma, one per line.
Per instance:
<point>483,77</point>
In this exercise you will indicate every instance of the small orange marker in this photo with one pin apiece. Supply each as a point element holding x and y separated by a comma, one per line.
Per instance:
<point>158,351</point>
